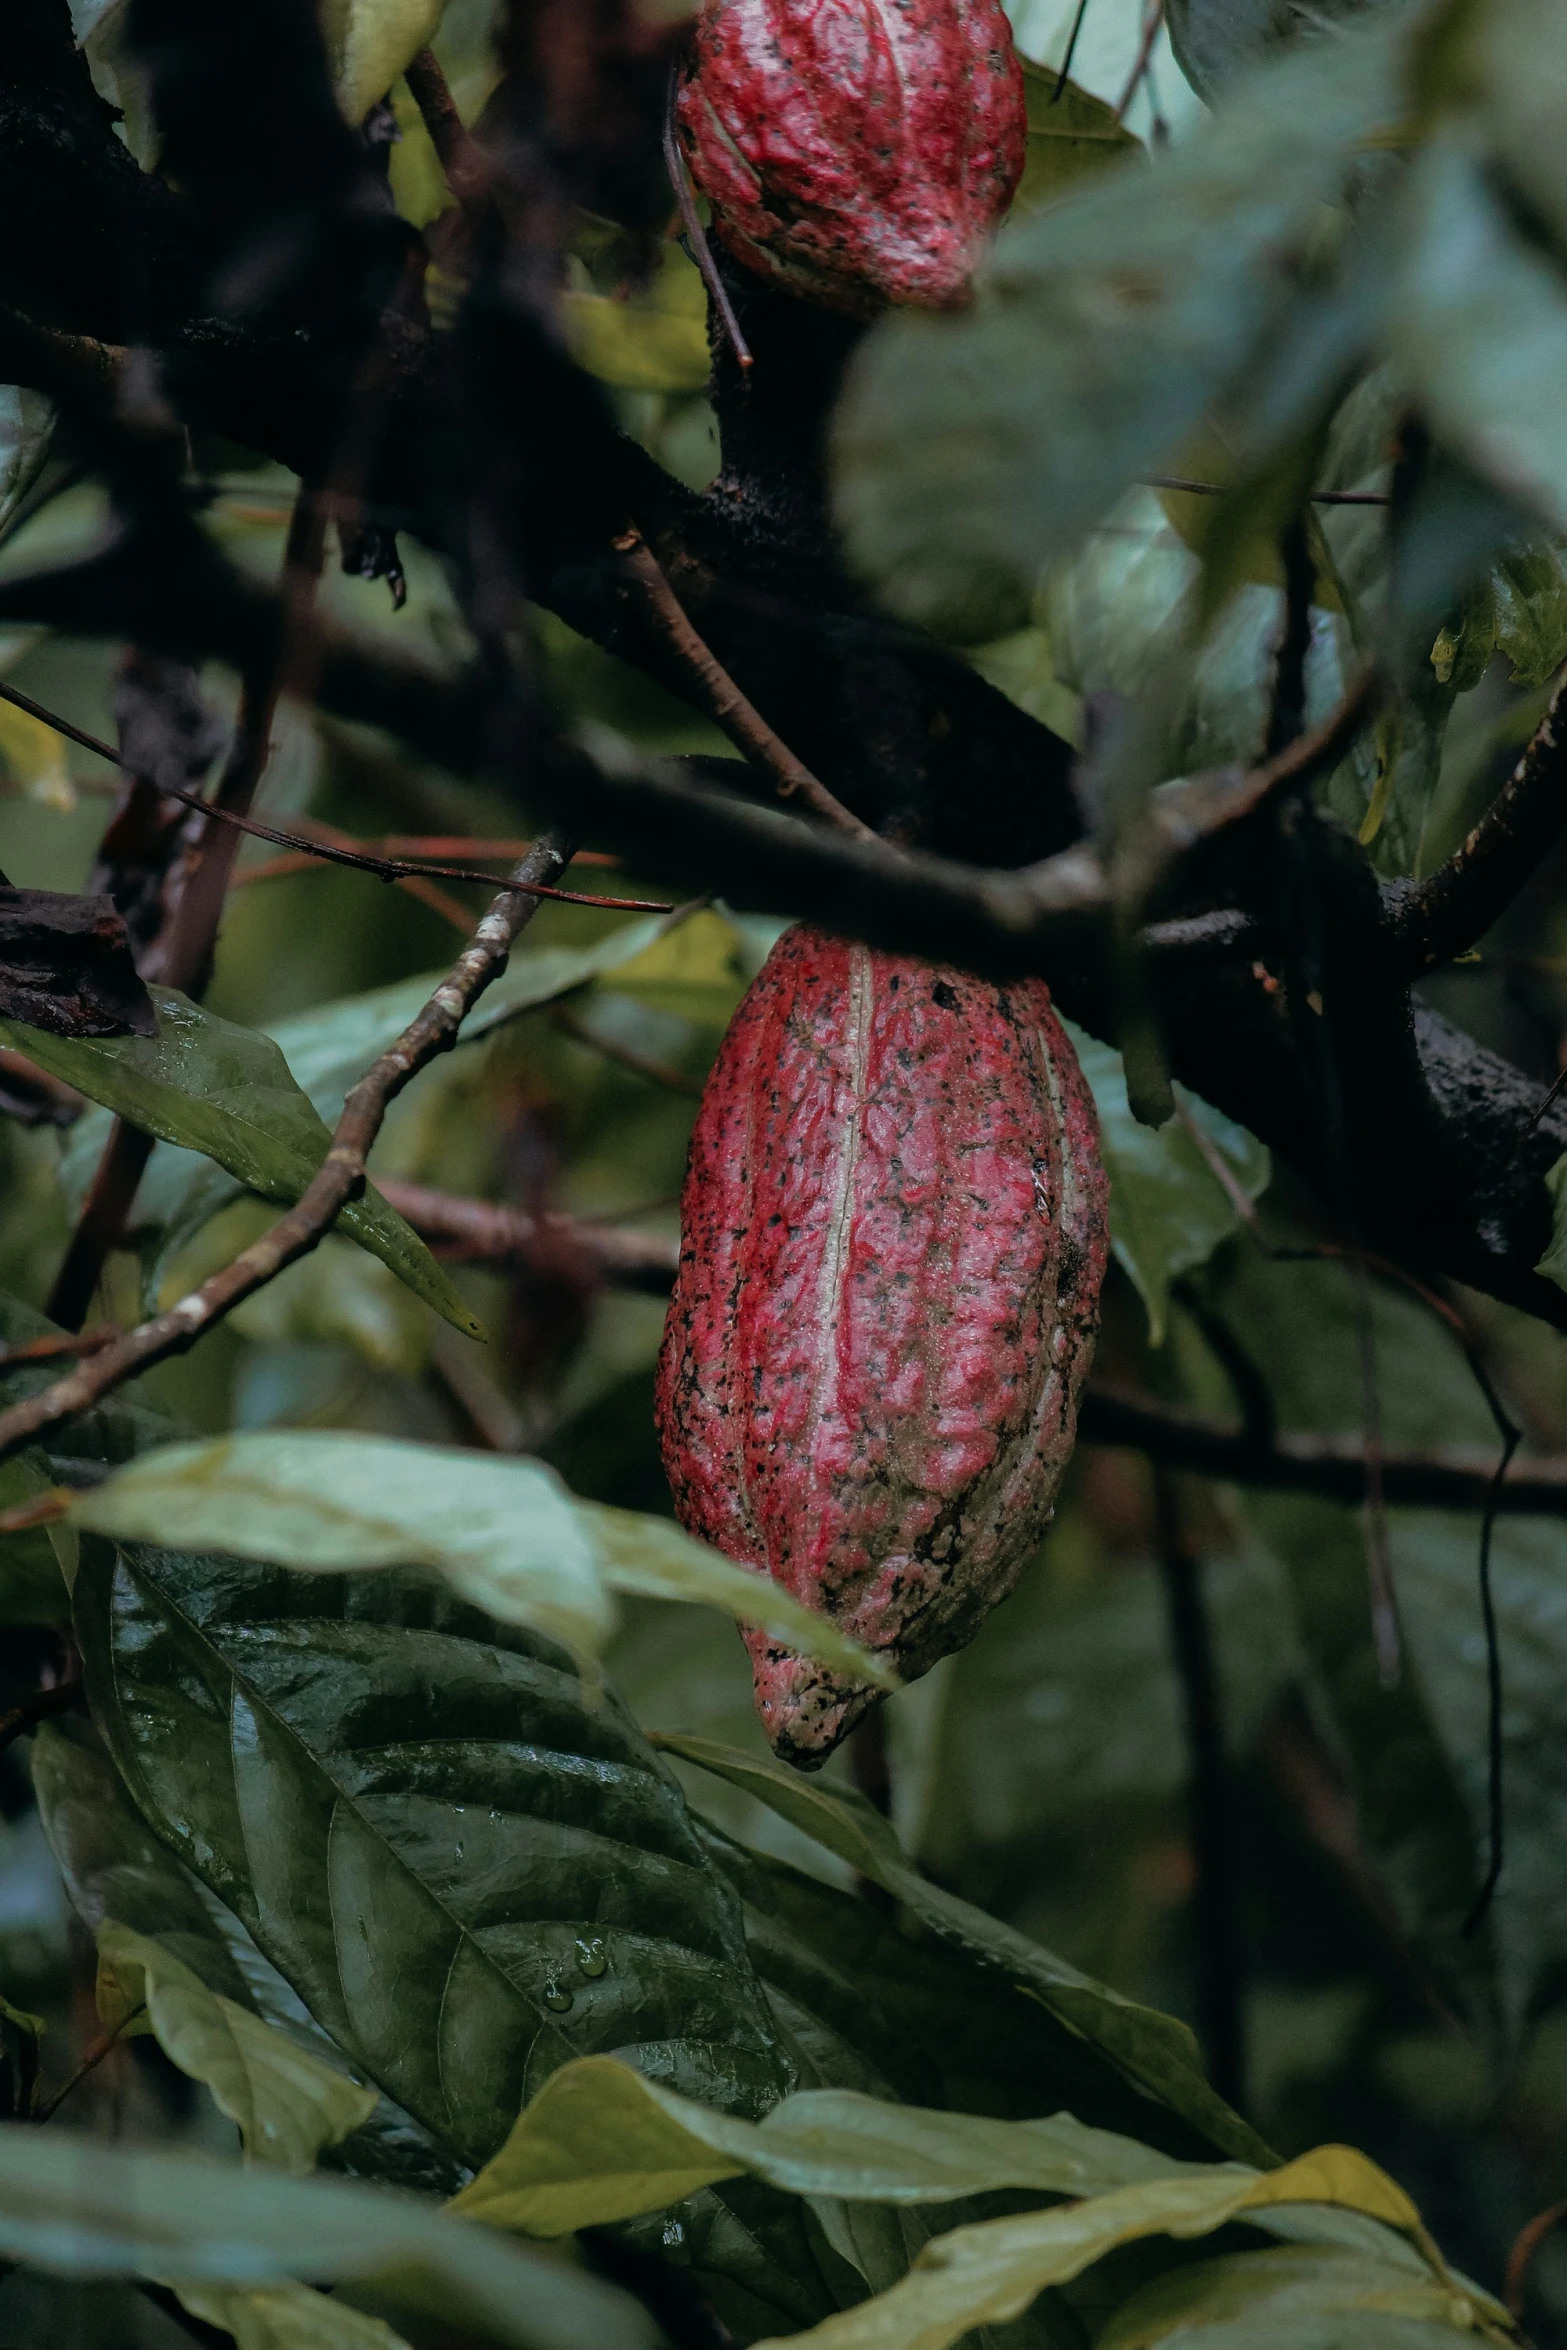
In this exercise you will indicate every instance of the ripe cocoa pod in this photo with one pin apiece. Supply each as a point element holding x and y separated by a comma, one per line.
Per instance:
<point>856,151</point>
<point>893,1239</point>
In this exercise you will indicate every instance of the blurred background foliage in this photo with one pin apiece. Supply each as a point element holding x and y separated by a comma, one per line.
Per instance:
<point>1047,1771</point>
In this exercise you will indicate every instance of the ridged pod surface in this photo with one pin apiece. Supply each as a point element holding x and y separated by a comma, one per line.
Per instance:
<point>856,151</point>
<point>893,1240</point>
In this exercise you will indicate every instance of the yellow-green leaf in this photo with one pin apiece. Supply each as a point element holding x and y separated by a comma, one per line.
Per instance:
<point>990,2273</point>
<point>600,2142</point>
<point>651,1558</point>
<point>505,1532</point>
<point>370,42</point>
<point>287,2103</point>
<point>1069,138</point>
<point>1269,2288</point>
<point>652,339</point>
<point>287,2317</point>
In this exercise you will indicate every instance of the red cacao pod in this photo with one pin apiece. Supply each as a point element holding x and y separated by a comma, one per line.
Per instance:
<point>857,151</point>
<point>893,1239</point>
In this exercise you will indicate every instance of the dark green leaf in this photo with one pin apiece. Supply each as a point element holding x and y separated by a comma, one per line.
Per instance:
<point>468,1865</point>
<point>1154,2050</point>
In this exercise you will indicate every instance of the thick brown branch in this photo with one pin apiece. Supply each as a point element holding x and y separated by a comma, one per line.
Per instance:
<point>340,1178</point>
<point>1446,913</point>
<point>1331,1467</point>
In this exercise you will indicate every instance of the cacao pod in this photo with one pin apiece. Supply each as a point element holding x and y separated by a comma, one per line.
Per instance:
<point>856,151</point>
<point>893,1239</point>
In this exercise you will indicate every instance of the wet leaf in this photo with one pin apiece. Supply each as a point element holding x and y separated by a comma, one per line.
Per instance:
<point>649,338</point>
<point>1325,2293</point>
<point>1154,2050</point>
<point>288,2317</point>
<point>467,1864</point>
<point>287,2104</point>
<point>35,1566</point>
<point>227,1091</point>
<point>1479,331</point>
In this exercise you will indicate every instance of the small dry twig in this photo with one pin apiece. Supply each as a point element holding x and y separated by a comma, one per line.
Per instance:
<point>339,1179</point>
<point>718,694</point>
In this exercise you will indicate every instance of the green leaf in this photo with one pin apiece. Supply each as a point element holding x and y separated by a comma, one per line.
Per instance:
<point>600,2143</point>
<point>651,1558</point>
<point>113,1866</point>
<point>505,1532</point>
<point>1479,331</point>
<point>1529,596</point>
<point>1072,135</point>
<point>971,449</point>
<point>36,1567</point>
<point>990,2273</point>
<point>1168,1209</point>
<point>27,423</point>
<point>467,1864</point>
<point>941,2027</point>
<point>1554,1262</point>
<point>329,1049</point>
<point>84,2209</point>
<point>227,1092</point>
<point>287,2104</point>
<point>1214,40</point>
<point>1155,2051</point>
<point>1325,2294</point>
<point>1417,1823</point>
<point>288,2317</point>
<point>652,338</point>
<point>371,42</point>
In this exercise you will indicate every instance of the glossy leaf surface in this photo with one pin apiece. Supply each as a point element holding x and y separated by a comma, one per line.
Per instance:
<point>469,1865</point>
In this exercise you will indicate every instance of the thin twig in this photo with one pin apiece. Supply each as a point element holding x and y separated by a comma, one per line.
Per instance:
<point>45,1509</point>
<point>1525,2247</point>
<point>696,234</point>
<point>640,1064</point>
<point>467,174</point>
<point>1071,51</point>
<point>1334,1468</point>
<point>485,1231</point>
<point>94,2054</point>
<point>58,1342</point>
<point>384,868</point>
<point>718,694</point>
<point>339,1179</point>
<point>1153,19</point>
<point>1217,489</point>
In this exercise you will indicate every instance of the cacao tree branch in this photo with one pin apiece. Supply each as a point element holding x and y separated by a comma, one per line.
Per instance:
<point>340,1178</point>
<point>501,1235</point>
<point>1333,1468</point>
<point>715,691</point>
<point>1442,916</point>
